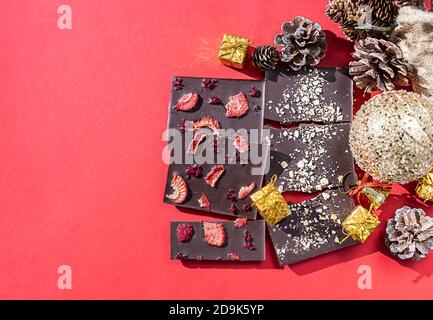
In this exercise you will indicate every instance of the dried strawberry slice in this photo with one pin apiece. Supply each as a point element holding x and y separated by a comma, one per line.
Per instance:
<point>246,190</point>
<point>180,189</point>
<point>214,233</point>
<point>198,138</point>
<point>241,144</point>
<point>204,202</point>
<point>214,175</point>
<point>187,102</point>
<point>237,106</point>
<point>208,122</point>
<point>240,222</point>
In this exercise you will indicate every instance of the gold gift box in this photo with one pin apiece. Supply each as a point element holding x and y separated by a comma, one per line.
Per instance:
<point>376,196</point>
<point>424,188</point>
<point>360,224</point>
<point>233,51</point>
<point>270,203</point>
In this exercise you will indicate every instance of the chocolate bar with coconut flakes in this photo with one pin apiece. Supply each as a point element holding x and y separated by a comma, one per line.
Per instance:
<point>218,240</point>
<point>313,228</point>
<point>323,95</point>
<point>316,157</point>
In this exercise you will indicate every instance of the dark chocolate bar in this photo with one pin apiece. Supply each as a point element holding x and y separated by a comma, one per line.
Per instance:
<point>313,228</point>
<point>239,240</point>
<point>223,197</point>
<point>316,157</point>
<point>313,95</point>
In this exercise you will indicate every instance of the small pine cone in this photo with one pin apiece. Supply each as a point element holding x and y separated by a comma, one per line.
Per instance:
<point>409,235</point>
<point>303,43</point>
<point>378,65</point>
<point>266,57</point>
<point>341,11</point>
<point>383,12</point>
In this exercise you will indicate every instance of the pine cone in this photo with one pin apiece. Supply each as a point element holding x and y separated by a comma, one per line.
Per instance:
<point>409,235</point>
<point>378,65</point>
<point>359,19</point>
<point>303,42</point>
<point>266,57</point>
<point>343,10</point>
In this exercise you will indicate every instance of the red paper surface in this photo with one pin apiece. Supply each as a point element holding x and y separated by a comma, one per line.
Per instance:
<point>81,121</point>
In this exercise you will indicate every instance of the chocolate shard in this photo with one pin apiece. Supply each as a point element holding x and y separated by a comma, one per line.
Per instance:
<point>245,243</point>
<point>313,228</point>
<point>311,95</point>
<point>237,171</point>
<point>312,158</point>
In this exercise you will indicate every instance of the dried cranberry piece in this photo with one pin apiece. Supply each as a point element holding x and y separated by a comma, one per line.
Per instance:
<point>208,84</point>
<point>215,101</point>
<point>185,232</point>
<point>231,195</point>
<point>234,209</point>
<point>178,84</point>
<point>247,207</point>
<point>253,92</point>
<point>249,241</point>
<point>194,171</point>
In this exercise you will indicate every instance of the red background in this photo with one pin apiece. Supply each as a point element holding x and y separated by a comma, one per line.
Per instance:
<point>81,121</point>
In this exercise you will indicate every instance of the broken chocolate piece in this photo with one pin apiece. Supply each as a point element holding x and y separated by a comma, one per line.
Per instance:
<point>235,240</point>
<point>317,157</point>
<point>313,228</point>
<point>317,95</point>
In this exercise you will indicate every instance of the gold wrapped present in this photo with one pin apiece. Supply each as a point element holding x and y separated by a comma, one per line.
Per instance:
<point>377,196</point>
<point>424,188</point>
<point>233,51</point>
<point>270,203</point>
<point>359,224</point>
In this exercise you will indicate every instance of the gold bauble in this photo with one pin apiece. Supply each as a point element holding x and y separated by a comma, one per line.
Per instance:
<point>392,137</point>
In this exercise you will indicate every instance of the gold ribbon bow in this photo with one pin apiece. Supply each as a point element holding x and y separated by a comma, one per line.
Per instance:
<point>363,184</point>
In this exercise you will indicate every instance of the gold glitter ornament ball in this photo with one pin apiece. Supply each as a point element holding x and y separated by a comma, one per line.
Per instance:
<point>392,137</point>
